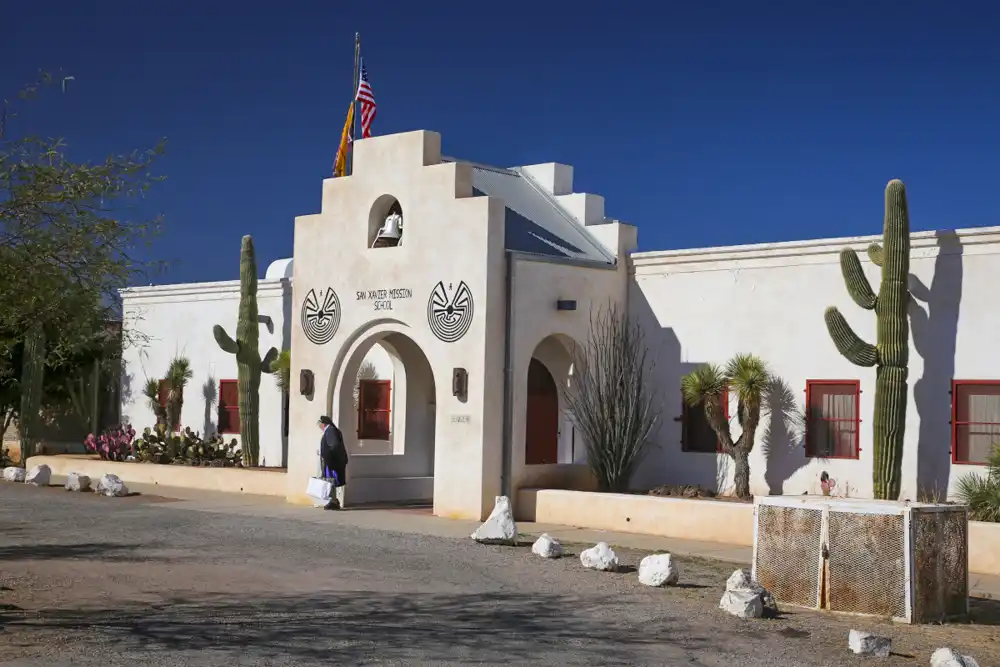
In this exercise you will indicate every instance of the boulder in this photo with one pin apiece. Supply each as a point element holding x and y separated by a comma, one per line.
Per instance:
<point>743,604</point>
<point>946,657</point>
<point>599,557</point>
<point>77,482</point>
<point>658,570</point>
<point>499,528</point>
<point>865,643</point>
<point>111,486</point>
<point>13,474</point>
<point>39,475</point>
<point>547,546</point>
<point>741,582</point>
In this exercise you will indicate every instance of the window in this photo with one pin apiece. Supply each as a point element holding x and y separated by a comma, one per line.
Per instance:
<point>832,418</point>
<point>229,406</point>
<point>696,433</point>
<point>975,420</point>
<point>373,409</point>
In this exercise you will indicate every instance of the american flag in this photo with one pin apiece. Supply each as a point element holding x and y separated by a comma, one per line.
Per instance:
<point>367,99</point>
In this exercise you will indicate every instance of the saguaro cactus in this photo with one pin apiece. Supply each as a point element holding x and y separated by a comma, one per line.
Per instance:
<point>32,375</point>
<point>891,352</point>
<point>248,361</point>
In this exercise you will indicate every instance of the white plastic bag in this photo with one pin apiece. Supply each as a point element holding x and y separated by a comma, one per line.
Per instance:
<point>320,490</point>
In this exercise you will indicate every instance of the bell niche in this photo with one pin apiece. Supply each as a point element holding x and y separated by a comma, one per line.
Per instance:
<point>385,223</point>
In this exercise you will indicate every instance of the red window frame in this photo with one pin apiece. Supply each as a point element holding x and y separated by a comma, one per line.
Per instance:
<point>956,424</point>
<point>811,386</point>
<point>685,420</point>
<point>367,427</point>
<point>229,414</point>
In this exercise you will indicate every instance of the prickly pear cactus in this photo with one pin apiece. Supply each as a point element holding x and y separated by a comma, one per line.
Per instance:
<point>248,360</point>
<point>890,354</point>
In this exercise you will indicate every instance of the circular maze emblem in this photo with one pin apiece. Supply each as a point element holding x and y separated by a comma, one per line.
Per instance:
<point>449,311</point>
<point>321,315</point>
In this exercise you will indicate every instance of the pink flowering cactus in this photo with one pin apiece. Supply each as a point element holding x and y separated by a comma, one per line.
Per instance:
<point>115,444</point>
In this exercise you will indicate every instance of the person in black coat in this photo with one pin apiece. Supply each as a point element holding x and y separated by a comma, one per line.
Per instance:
<point>334,455</point>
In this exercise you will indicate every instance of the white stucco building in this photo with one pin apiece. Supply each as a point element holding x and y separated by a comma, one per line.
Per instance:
<point>465,331</point>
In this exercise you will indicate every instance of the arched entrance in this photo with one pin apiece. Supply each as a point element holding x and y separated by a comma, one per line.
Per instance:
<point>541,436</point>
<point>387,413</point>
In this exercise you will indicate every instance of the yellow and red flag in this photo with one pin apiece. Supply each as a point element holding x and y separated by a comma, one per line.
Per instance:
<point>340,164</point>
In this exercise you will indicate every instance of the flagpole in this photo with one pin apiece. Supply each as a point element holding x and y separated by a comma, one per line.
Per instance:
<point>354,102</point>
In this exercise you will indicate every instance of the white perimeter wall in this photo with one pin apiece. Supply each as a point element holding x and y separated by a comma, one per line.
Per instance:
<point>702,306</point>
<point>177,320</point>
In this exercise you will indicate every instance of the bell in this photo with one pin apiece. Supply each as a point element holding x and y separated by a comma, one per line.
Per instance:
<point>391,232</point>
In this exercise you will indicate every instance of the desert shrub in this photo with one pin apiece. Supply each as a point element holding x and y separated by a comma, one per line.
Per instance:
<point>982,494</point>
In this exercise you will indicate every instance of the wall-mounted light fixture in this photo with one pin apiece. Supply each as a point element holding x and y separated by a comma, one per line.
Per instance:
<point>305,382</point>
<point>459,383</point>
<point>566,304</point>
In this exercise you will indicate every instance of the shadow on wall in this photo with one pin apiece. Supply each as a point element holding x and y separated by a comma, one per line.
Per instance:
<point>934,336</point>
<point>125,395</point>
<point>781,439</point>
<point>664,462</point>
<point>210,393</point>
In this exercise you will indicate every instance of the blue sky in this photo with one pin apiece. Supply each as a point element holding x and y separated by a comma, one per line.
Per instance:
<point>704,123</point>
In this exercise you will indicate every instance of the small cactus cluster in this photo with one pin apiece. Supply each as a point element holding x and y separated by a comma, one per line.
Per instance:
<point>890,354</point>
<point>248,360</point>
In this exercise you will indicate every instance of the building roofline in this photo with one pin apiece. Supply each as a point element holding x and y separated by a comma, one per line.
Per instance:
<point>814,247</point>
<point>223,288</point>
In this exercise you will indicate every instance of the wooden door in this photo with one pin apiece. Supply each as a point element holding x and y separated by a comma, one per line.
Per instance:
<point>541,436</point>
<point>373,409</point>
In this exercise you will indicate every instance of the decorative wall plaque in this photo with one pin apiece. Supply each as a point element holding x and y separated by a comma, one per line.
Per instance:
<point>450,310</point>
<point>320,315</point>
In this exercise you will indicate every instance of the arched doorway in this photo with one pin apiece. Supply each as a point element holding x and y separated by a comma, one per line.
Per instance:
<point>541,434</point>
<point>387,411</point>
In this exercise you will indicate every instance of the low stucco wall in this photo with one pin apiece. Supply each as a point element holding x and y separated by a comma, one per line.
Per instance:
<point>689,519</point>
<point>229,480</point>
<point>984,547</point>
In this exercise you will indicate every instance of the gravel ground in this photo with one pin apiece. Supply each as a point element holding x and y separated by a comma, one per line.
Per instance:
<point>86,580</point>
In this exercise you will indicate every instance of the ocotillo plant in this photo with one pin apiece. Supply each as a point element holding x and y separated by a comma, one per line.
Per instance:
<point>32,375</point>
<point>892,349</point>
<point>248,361</point>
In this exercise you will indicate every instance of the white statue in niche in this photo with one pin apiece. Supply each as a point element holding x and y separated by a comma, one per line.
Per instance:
<point>390,234</point>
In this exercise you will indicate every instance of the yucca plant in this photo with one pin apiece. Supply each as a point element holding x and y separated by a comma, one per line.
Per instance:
<point>982,494</point>
<point>611,399</point>
<point>746,376</point>
<point>152,393</point>
<point>178,375</point>
<point>282,369</point>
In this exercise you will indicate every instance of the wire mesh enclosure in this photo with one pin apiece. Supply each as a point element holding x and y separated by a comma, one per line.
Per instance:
<point>905,561</point>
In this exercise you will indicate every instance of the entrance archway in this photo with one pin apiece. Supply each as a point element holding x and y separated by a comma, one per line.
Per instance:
<point>549,435</point>
<point>387,413</point>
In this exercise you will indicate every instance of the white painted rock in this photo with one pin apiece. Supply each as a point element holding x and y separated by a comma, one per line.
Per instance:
<point>13,474</point>
<point>39,475</point>
<point>547,546</point>
<point>946,657</point>
<point>743,604</point>
<point>865,643</point>
<point>599,557</point>
<point>499,528</point>
<point>111,486</point>
<point>658,570</point>
<point>77,482</point>
<point>741,582</point>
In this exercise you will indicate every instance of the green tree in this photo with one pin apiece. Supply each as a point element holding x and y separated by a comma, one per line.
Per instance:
<point>69,236</point>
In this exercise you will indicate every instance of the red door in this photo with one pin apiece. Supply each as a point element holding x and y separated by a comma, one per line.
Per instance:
<point>541,437</point>
<point>373,409</point>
